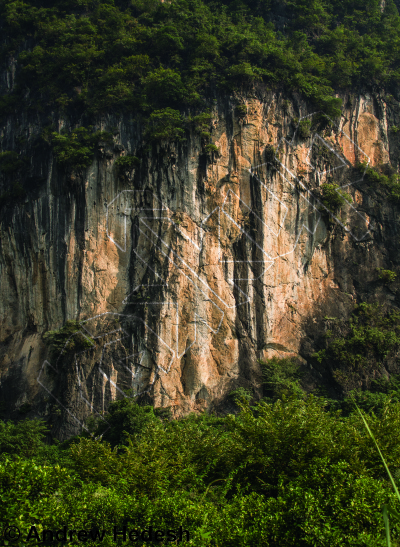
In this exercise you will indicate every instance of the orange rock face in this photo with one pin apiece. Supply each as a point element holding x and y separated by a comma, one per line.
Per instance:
<point>201,265</point>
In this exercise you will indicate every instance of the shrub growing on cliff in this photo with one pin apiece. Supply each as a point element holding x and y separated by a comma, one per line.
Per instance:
<point>333,198</point>
<point>389,181</point>
<point>387,276</point>
<point>14,194</point>
<point>201,122</point>
<point>67,339</point>
<point>75,149</point>
<point>166,124</point>
<point>125,164</point>
<point>10,162</point>
<point>362,345</point>
<point>211,149</point>
<point>241,110</point>
<point>304,128</point>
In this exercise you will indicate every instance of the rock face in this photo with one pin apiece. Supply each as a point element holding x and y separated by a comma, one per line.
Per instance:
<point>186,271</point>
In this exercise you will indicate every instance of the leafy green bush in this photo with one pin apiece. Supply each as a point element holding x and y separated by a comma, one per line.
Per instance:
<point>10,162</point>
<point>333,198</point>
<point>22,439</point>
<point>287,473</point>
<point>127,163</point>
<point>67,339</point>
<point>241,110</point>
<point>163,87</point>
<point>281,377</point>
<point>241,395</point>
<point>166,124</point>
<point>76,148</point>
<point>304,129</point>
<point>211,148</point>
<point>377,178</point>
<point>361,346</point>
<point>373,400</point>
<point>125,418</point>
<point>387,508</point>
<point>386,275</point>
<point>201,122</point>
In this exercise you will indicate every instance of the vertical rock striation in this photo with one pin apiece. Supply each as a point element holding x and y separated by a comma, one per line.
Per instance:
<point>194,265</point>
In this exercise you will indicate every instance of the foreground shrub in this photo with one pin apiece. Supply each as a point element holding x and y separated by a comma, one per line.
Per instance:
<point>283,473</point>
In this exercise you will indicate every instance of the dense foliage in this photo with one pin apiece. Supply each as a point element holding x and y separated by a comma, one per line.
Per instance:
<point>68,339</point>
<point>291,470</point>
<point>165,63</point>
<point>76,148</point>
<point>112,55</point>
<point>284,473</point>
<point>363,346</point>
<point>294,469</point>
<point>333,198</point>
<point>387,181</point>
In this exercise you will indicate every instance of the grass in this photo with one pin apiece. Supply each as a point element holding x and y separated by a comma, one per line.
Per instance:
<point>386,509</point>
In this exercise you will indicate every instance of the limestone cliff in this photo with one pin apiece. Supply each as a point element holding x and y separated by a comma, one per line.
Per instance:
<point>188,269</point>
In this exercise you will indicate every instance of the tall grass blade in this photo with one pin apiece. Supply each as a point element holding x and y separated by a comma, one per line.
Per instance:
<point>387,528</point>
<point>380,453</point>
<point>385,507</point>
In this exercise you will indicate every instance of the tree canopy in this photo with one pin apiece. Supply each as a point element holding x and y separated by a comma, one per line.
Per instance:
<point>115,55</point>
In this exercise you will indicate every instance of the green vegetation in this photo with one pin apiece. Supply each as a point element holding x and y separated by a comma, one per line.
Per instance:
<point>333,198</point>
<point>386,508</point>
<point>14,194</point>
<point>23,439</point>
<point>75,149</point>
<point>281,378</point>
<point>387,276</point>
<point>293,469</point>
<point>167,124</point>
<point>115,55</point>
<point>211,148</point>
<point>304,128</point>
<point>241,110</point>
<point>241,395</point>
<point>270,153</point>
<point>362,346</point>
<point>12,166</point>
<point>67,339</point>
<point>125,165</point>
<point>380,393</point>
<point>165,62</point>
<point>201,122</point>
<point>10,162</point>
<point>283,473</point>
<point>389,182</point>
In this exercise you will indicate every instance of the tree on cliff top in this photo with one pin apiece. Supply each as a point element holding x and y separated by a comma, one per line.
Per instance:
<point>103,55</point>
